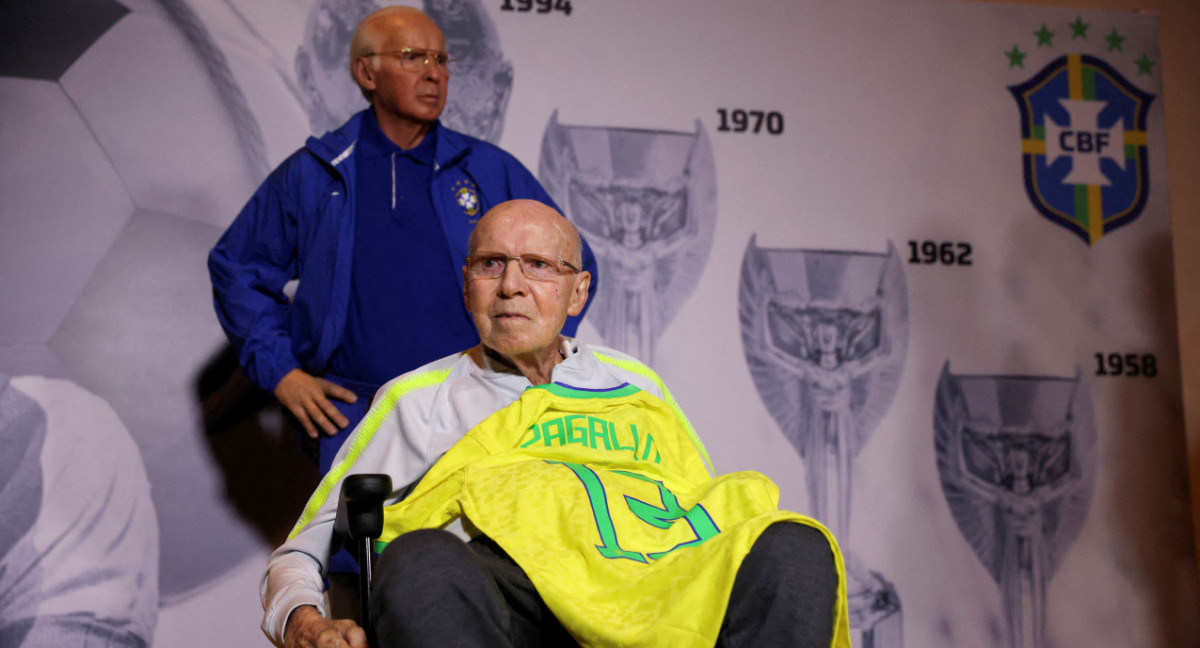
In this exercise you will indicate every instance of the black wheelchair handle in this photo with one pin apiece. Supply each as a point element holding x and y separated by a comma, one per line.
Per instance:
<point>362,501</point>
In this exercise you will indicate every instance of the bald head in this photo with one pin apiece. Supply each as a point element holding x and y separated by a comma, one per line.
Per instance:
<point>517,315</point>
<point>372,32</point>
<point>507,215</point>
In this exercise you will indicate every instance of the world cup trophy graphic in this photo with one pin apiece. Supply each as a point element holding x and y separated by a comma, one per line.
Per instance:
<point>1016,456</point>
<point>825,335</point>
<point>646,202</point>
<point>480,79</point>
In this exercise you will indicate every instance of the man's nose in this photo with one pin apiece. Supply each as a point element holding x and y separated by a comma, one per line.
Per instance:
<point>434,72</point>
<point>513,281</point>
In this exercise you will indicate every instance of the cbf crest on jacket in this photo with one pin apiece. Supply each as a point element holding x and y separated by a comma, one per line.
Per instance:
<point>604,499</point>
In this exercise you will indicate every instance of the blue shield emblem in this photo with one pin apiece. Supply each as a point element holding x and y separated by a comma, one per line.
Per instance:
<point>1083,144</point>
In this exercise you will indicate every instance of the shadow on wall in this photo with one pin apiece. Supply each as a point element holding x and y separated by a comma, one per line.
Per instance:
<point>268,478</point>
<point>1155,540</point>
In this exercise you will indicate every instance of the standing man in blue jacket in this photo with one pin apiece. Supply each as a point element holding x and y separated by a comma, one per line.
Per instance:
<point>372,219</point>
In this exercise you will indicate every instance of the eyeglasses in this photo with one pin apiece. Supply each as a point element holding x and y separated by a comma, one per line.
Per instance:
<point>415,60</point>
<point>539,267</point>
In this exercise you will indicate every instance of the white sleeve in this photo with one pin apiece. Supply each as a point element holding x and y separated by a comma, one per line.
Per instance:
<point>292,579</point>
<point>391,439</point>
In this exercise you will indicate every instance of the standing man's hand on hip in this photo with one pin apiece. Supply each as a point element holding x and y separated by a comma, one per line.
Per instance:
<point>307,398</point>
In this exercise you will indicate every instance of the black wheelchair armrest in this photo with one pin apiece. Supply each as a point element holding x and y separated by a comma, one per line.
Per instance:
<point>359,521</point>
<point>360,506</point>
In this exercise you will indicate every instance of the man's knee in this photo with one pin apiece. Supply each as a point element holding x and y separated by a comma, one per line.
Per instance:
<point>785,592</point>
<point>415,570</point>
<point>788,551</point>
<point>431,590</point>
<point>419,561</point>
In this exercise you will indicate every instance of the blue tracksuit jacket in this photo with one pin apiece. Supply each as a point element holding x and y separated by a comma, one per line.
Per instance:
<point>300,225</point>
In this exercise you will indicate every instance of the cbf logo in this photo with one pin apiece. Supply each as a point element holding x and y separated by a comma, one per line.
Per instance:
<point>467,197</point>
<point>1083,142</point>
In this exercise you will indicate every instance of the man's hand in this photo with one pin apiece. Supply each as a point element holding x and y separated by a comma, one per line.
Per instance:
<point>307,398</point>
<point>306,628</point>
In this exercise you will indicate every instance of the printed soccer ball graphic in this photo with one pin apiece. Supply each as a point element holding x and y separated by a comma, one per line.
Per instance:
<point>129,142</point>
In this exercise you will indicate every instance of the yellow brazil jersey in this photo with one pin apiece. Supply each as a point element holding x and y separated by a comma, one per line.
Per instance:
<point>603,498</point>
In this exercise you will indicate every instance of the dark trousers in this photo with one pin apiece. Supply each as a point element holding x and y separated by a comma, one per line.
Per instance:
<point>432,589</point>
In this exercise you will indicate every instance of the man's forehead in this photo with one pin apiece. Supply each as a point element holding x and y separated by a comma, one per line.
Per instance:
<point>405,25</point>
<point>523,228</point>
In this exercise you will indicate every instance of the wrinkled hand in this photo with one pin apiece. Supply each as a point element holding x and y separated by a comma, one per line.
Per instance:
<point>308,629</point>
<point>307,398</point>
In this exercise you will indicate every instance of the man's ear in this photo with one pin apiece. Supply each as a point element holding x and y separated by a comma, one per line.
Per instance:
<point>579,294</point>
<point>364,73</point>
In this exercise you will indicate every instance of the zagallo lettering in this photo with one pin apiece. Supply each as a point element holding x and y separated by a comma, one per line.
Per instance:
<point>561,435</point>
<point>569,422</point>
<point>600,433</point>
<point>560,431</point>
<point>616,440</point>
<point>537,434</point>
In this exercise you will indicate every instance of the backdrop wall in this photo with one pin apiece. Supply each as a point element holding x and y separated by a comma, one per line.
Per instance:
<point>911,260</point>
<point>1178,19</point>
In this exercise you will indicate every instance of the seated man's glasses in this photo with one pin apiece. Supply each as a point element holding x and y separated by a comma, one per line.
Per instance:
<point>539,267</point>
<point>415,60</point>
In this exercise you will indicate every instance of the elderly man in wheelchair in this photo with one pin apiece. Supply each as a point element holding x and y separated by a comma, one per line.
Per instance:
<point>594,515</point>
